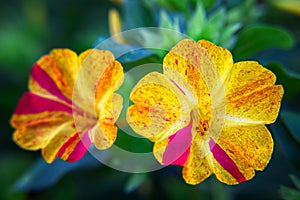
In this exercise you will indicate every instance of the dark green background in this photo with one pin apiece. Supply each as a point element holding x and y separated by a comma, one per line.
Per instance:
<point>31,28</point>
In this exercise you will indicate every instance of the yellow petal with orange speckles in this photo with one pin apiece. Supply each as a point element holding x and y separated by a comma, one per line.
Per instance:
<point>108,105</point>
<point>54,118</point>
<point>249,147</point>
<point>104,135</point>
<point>95,66</point>
<point>233,157</point>
<point>159,109</point>
<point>251,96</point>
<point>228,105</point>
<point>60,137</point>
<point>38,119</point>
<point>37,136</point>
<point>110,80</point>
<point>197,167</point>
<point>220,56</point>
<point>189,62</point>
<point>62,66</point>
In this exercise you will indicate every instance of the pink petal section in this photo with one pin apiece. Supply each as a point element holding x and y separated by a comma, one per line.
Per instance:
<point>178,148</point>
<point>225,161</point>
<point>46,82</point>
<point>31,103</point>
<point>79,150</point>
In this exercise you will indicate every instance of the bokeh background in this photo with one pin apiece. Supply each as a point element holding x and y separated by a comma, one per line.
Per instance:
<point>267,31</point>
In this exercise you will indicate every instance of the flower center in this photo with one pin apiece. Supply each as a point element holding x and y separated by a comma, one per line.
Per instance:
<point>200,125</point>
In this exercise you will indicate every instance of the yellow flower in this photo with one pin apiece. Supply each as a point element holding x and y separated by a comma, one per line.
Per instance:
<point>206,113</point>
<point>43,118</point>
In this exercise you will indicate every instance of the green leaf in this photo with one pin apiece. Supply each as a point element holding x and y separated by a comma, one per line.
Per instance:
<point>131,142</point>
<point>210,33</point>
<point>245,13</point>
<point>227,37</point>
<point>134,182</point>
<point>214,25</point>
<point>165,4</point>
<point>42,175</point>
<point>196,23</point>
<point>214,28</point>
<point>296,181</point>
<point>289,145</point>
<point>165,37</point>
<point>291,121</point>
<point>208,3</point>
<point>290,193</point>
<point>255,38</point>
<point>179,5</point>
<point>218,18</point>
<point>166,22</point>
<point>288,79</point>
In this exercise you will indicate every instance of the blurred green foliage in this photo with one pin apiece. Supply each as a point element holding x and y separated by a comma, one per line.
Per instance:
<point>255,38</point>
<point>290,193</point>
<point>251,29</point>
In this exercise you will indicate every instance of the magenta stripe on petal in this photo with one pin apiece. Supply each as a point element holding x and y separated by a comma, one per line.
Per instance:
<point>80,148</point>
<point>178,148</point>
<point>181,90</point>
<point>31,103</point>
<point>225,161</point>
<point>46,82</point>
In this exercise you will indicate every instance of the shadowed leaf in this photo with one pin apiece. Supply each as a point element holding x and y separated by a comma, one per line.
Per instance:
<point>42,175</point>
<point>255,38</point>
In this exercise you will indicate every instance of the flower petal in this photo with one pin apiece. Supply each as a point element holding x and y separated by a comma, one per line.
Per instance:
<point>197,167</point>
<point>220,56</point>
<point>31,103</point>
<point>195,66</point>
<point>66,144</point>
<point>55,73</point>
<point>42,84</point>
<point>105,133</point>
<point>159,109</point>
<point>100,74</point>
<point>251,95</point>
<point>225,168</point>
<point>37,119</point>
<point>175,149</point>
<point>74,148</point>
<point>45,118</point>
<point>239,151</point>
<point>109,105</point>
<point>111,79</point>
<point>54,143</point>
<point>37,135</point>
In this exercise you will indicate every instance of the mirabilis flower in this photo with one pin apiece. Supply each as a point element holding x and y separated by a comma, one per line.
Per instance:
<point>44,116</point>
<point>206,113</point>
